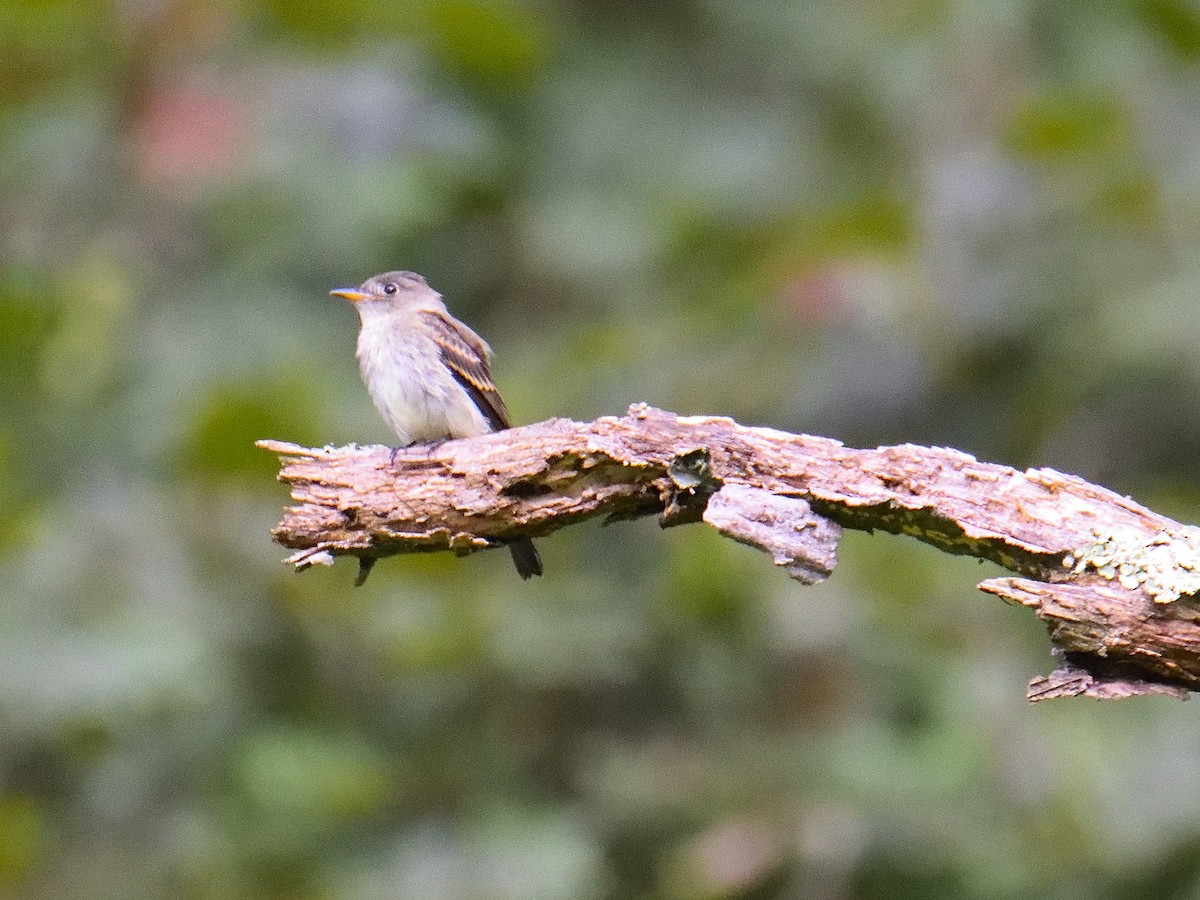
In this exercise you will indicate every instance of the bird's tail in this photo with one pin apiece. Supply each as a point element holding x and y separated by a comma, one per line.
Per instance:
<point>525,558</point>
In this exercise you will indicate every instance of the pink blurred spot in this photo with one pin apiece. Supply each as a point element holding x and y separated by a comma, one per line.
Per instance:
<point>816,297</point>
<point>187,135</point>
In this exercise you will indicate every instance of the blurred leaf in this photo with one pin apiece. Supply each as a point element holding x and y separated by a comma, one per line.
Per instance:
<point>1176,22</point>
<point>313,777</point>
<point>87,738</point>
<point>28,315</point>
<point>32,35</point>
<point>1134,200</point>
<point>14,517</point>
<point>23,837</point>
<point>705,577</point>
<point>1066,125</point>
<point>220,442</point>
<point>333,23</point>
<point>877,221</point>
<point>497,44</point>
<point>84,352</point>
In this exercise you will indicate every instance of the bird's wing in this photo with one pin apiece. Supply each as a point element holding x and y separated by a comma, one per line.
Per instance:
<point>466,354</point>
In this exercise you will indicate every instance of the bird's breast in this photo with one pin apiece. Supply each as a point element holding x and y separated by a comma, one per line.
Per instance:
<point>412,388</point>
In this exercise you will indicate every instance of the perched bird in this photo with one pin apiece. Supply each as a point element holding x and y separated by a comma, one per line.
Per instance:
<point>427,372</point>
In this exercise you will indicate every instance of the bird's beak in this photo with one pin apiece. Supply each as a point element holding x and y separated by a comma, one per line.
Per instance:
<point>354,295</point>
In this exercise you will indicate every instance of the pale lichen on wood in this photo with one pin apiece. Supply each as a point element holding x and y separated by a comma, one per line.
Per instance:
<point>1098,568</point>
<point>1165,565</point>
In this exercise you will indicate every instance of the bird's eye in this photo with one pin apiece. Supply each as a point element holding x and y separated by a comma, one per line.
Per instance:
<point>389,288</point>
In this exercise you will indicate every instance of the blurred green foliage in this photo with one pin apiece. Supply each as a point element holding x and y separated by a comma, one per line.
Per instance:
<point>963,224</point>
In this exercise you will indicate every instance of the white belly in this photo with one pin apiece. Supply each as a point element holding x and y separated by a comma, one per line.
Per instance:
<point>412,389</point>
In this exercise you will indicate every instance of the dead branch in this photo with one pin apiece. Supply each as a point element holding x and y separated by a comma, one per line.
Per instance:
<point>1112,580</point>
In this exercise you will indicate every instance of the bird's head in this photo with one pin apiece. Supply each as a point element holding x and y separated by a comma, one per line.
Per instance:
<point>390,290</point>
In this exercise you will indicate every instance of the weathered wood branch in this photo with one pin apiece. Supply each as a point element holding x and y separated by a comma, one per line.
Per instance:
<point>1113,581</point>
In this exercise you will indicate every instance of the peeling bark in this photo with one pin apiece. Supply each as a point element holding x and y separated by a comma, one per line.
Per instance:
<point>798,539</point>
<point>1111,579</point>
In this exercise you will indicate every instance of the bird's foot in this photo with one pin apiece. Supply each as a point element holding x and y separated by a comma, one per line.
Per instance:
<point>430,447</point>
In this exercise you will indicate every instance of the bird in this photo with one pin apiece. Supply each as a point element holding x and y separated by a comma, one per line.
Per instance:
<point>428,374</point>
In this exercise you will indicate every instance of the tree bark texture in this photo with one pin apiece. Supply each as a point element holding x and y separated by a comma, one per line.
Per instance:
<point>1112,580</point>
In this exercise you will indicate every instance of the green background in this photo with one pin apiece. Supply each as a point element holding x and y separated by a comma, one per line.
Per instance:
<point>967,224</point>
